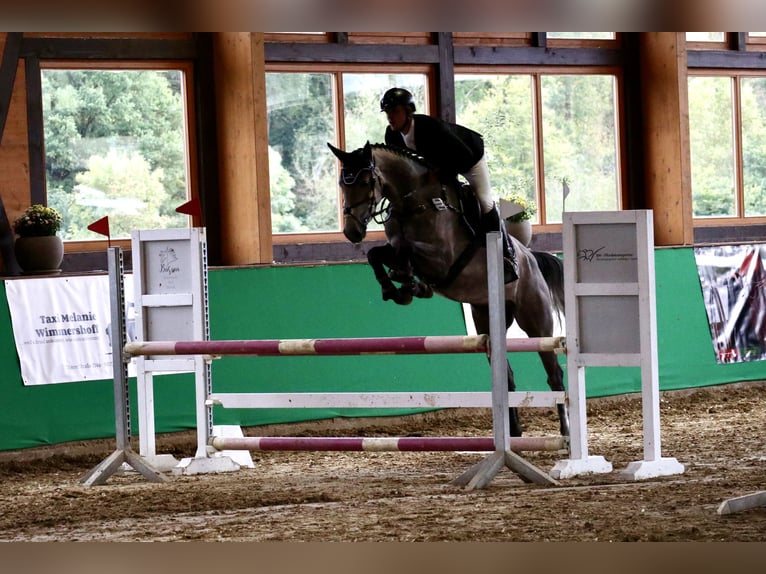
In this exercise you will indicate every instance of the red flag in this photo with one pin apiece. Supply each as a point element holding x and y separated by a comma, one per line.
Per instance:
<point>101,226</point>
<point>192,207</point>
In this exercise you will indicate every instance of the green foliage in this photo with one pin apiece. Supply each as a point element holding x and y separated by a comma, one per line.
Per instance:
<point>133,118</point>
<point>712,146</point>
<point>301,121</point>
<point>578,136</point>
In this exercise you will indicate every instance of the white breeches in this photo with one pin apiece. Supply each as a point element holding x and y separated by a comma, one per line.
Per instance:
<point>478,178</point>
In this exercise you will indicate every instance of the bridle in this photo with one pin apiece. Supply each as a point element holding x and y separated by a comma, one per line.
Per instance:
<point>349,178</point>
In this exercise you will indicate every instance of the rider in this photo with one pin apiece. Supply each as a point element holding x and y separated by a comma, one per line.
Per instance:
<point>453,149</point>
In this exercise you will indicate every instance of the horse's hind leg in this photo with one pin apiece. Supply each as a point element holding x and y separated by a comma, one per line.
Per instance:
<point>481,322</point>
<point>556,383</point>
<point>536,319</point>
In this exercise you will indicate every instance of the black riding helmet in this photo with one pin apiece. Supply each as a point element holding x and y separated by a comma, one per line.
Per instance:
<point>395,97</point>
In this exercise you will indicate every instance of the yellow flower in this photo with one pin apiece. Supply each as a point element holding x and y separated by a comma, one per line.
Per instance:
<point>38,221</point>
<point>528,207</point>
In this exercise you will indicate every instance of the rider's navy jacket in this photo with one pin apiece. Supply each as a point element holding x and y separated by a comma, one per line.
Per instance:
<point>452,148</point>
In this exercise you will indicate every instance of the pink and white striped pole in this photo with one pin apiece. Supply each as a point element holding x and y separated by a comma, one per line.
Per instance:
<point>364,346</point>
<point>385,444</point>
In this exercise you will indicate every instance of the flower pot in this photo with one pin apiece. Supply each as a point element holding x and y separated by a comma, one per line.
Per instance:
<point>39,255</point>
<point>521,230</point>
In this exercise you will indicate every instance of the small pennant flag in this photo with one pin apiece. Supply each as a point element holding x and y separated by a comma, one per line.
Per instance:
<point>101,226</point>
<point>191,207</point>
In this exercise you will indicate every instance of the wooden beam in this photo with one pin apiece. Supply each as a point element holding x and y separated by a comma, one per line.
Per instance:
<point>738,40</point>
<point>245,207</point>
<point>539,39</point>
<point>667,154</point>
<point>725,59</point>
<point>506,55</point>
<point>8,66</point>
<point>446,78</point>
<point>343,53</point>
<point>206,145</point>
<point>108,49</point>
<point>632,132</point>
<point>38,191</point>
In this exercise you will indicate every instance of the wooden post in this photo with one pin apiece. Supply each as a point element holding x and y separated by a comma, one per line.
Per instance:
<point>667,152</point>
<point>243,146</point>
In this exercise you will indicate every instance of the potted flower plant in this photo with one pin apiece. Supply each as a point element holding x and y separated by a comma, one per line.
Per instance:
<point>518,212</point>
<point>38,249</point>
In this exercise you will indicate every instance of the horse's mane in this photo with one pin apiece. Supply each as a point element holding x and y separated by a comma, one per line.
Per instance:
<point>406,153</point>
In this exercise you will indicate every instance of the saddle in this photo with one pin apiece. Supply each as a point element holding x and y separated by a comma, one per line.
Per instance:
<point>467,205</point>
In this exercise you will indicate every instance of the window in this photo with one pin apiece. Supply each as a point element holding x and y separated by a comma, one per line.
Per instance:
<point>542,130</point>
<point>307,110</point>
<point>705,36</point>
<point>727,127</point>
<point>581,35</point>
<point>115,145</point>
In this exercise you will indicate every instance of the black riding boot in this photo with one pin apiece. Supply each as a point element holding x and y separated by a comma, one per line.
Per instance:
<point>490,221</point>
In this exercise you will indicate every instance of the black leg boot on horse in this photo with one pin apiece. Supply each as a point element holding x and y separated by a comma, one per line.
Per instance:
<point>491,221</point>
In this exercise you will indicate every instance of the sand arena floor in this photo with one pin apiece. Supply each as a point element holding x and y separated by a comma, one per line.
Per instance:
<point>718,433</point>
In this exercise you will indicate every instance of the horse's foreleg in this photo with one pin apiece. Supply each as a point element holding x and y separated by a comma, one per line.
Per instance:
<point>379,258</point>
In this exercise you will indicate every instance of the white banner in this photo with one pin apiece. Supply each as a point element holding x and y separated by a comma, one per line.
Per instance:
<point>61,327</point>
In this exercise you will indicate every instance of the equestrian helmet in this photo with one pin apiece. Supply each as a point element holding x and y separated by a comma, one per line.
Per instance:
<point>395,97</point>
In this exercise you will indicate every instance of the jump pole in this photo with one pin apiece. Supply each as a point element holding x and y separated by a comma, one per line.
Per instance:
<point>336,347</point>
<point>385,444</point>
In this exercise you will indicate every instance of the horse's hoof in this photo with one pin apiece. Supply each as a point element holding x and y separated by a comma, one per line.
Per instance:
<point>403,299</point>
<point>399,276</point>
<point>389,294</point>
<point>423,291</point>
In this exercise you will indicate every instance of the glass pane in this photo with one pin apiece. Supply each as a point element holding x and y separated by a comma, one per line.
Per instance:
<point>115,145</point>
<point>712,147</point>
<point>754,145</point>
<point>705,36</point>
<point>361,100</point>
<point>304,189</point>
<point>579,144</point>
<point>500,108</point>
<point>364,122</point>
<point>581,35</point>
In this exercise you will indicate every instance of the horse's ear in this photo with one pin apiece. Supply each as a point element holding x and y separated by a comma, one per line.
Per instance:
<point>339,153</point>
<point>367,151</point>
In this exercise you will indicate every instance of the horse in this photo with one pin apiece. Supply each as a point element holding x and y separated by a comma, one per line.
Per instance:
<point>432,246</point>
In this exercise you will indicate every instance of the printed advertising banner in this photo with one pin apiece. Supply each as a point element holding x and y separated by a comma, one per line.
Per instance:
<point>734,287</point>
<point>62,328</point>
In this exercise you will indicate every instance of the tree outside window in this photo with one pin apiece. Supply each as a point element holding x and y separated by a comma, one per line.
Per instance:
<point>727,127</point>
<point>303,115</point>
<point>115,146</point>
<point>578,143</point>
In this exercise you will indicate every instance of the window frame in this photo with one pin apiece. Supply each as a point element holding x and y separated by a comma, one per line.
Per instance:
<point>620,137</point>
<point>740,219</point>
<point>337,70</point>
<point>186,67</point>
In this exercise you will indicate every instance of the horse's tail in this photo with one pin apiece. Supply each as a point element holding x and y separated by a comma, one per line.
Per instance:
<point>552,269</point>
